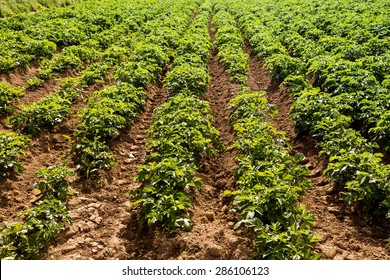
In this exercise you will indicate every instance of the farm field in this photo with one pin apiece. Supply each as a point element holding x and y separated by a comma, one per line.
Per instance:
<point>13,7</point>
<point>196,129</point>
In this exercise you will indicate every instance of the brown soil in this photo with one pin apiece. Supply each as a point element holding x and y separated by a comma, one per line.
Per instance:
<point>20,75</point>
<point>344,235</point>
<point>49,148</point>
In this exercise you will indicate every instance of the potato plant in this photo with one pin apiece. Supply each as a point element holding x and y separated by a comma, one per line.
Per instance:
<point>30,236</point>
<point>181,135</point>
<point>270,182</point>
<point>11,149</point>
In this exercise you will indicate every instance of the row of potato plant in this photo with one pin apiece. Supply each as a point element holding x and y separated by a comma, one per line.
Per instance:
<point>329,112</point>
<point>270,182</point>
<point>180,136</point>
<point>8,95</point>
<point>30,236</point>
<point>347,58</point>
<point>54,108</point>
<point>230,46</point>
<point>115,107</point>
<point>11,149</point>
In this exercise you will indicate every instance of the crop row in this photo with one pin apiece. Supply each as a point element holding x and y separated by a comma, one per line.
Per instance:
<point>53,109</point>
<point>335,92</point>
<point>38,225</point>
<point>11,149</point>
<point>90,25</point>
<point>181,134</point>
<point>8,95</point>
<point>230,46</point>
<point>270,181</point>
<point>115,107</point>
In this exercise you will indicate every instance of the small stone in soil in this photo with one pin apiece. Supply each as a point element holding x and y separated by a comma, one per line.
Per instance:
<point>122,182</point>
<point>129,160</point>
<point>215,251</point>
<point>210,216</point>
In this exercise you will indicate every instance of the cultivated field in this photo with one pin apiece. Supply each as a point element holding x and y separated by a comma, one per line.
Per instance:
<point>196,129</point>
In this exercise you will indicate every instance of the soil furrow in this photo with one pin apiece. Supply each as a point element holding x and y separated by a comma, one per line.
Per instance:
<point>343,234</point>
<point>101,215</point>
<point>50,147</point>
<point>20,75</point>
<point>212,236</point>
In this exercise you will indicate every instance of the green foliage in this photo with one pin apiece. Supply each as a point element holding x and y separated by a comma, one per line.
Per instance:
<point>194,44</point>
<point>381,132</point>
<point>41,224</point>
<point>94,73</point>
<point>181,135</point>
<point>149,54</point>
<point>92,156</point>
<point>8,94</point>
<point>139,74</point>
<point>53,182</point>
<point>273,242</point>
<point>102,120</point>
<point>114,110</point>
<point>184,127</point>
<point>187,77</point>
<point>230,43</point>
<point>71,57</point>
<point>250,104</point>
<point>45,113</point>
<point>10,8</point>
<point>11,148</point>
<point>295,84</point>
<point>163,197</point>
<point>281,66</point>
<point>365,178</point>
<point>270,182</point>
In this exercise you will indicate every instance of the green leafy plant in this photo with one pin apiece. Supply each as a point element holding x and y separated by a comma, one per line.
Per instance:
<point>186,77</point>
<point>53,182</point>
<point>270,183</point>
<point>163,198</point>
<point>8,94</point>
<point>11,149</point>
<point>45,113</point>
<point>41,224</point>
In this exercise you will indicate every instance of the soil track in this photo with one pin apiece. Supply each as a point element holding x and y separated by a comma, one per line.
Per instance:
<point>343,234</point>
